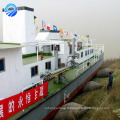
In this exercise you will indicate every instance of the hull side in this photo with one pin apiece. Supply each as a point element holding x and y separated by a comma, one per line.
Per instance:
<point>50,115</point>
<point>47,108</point>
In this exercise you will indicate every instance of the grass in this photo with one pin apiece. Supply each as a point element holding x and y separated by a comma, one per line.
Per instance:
<point>35,54</point>
<point>110,62</point>
<point>54,87</point>
<point>11,43</point>
<point>105,105</point>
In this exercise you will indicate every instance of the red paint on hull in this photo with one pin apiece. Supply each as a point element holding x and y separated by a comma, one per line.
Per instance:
<point>52,113</point>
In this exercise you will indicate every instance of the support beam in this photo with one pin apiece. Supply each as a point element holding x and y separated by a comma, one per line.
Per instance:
<point>37,53</point>
<point>56,58</point>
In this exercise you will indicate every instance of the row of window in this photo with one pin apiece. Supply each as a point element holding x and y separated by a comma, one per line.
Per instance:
<point>52,47</point>
<point>79,46</point>
<point>34,70</point>
<point>58,46</point>
<point>87,52</point>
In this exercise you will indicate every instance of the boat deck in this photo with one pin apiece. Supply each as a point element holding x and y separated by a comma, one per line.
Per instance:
<point>70,75</point>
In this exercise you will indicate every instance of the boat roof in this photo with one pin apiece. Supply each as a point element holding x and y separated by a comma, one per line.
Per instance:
<point>9,46</point>
<point>18,45</point>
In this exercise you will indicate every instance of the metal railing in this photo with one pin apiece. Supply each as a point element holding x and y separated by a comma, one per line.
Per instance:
<point>98,50</point>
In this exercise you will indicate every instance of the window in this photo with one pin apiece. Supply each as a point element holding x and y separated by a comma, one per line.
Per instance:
<point>48,65</point>
<point>91,51</point>
<point>81,54</point>
<point>58,47</point>
<point>52,47</point>
<point>2,64</point>
<point>34,71</point>
<point>59,62</point>
<point>85,53</point>
<point>79,46</point>
<point>70,49</point>
<point>88,52</point>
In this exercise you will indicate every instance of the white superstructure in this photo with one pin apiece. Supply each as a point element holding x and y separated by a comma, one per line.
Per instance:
<point>20,28</point>
<point>44,35</point>
<point>16,73</point>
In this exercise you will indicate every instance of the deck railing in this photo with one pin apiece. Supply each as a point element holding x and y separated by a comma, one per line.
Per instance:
<point>98,50</point>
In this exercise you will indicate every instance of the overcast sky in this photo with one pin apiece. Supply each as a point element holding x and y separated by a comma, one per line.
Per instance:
<point>98,18</point>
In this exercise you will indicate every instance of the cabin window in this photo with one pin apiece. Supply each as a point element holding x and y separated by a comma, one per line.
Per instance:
<point>91,51</point>
<point>81,54</point>
<point>85,53</point>
<point>2,64</point>
<point>70,49</point>
<point>79,46</point>
<point>48,65</point>
<point>59,62</point>
<point>88,52</point>
<point>52,47</point>
<point>34,71</point>
<point>58,47</point>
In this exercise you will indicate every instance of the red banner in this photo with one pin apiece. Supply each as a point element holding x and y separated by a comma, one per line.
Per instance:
<point>14,104</point>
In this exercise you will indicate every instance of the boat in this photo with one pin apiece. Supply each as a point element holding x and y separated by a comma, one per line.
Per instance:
<point>40,74</point>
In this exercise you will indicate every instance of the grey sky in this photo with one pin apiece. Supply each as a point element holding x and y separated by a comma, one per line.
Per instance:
<point>99,18</point>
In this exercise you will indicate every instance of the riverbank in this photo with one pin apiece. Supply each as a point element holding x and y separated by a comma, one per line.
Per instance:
<point>103,105</point>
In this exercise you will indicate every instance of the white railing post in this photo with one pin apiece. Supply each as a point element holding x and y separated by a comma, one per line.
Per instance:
<point>77,71</point>
<point>83,66</point>
<point>98,48</point>
<point>37,53</point>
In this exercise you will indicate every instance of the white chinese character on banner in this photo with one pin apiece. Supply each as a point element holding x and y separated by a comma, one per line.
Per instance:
<point>28,98</point>
<point>20,102</point>
<point>11,106</point>
<point>1,111</point>
<point>41,91</point>
<point>36,95</point>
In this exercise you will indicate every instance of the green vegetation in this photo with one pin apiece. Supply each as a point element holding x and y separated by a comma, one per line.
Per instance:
<point>29,55</point>
<point>54,87</point>
<point>51,89</point>
<point>47,54</point>
<point>104,105</point>
<point>11,43</point>
<point>66,39</point>
<point>35,54</point>
<point>32,59</point>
